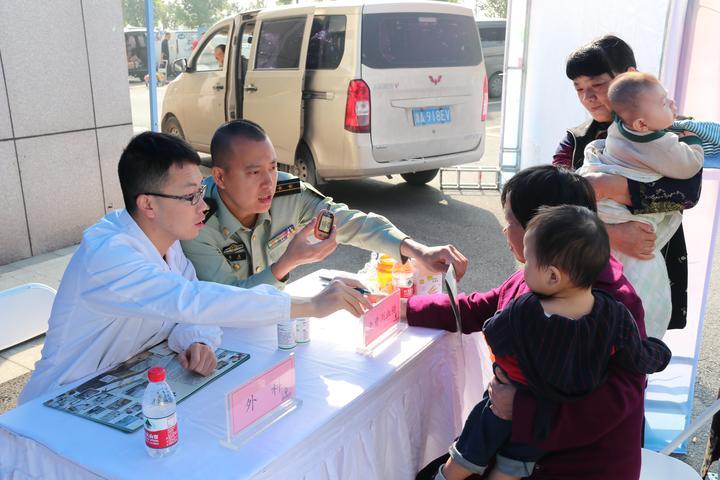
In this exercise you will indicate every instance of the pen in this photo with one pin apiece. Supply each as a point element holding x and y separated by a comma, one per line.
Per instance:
<point>361,290</point>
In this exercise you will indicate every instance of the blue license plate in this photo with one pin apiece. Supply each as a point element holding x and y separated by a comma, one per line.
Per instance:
<point>430,116</point>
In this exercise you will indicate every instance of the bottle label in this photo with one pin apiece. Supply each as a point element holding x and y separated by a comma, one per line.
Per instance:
<point>407,292</point>
<point>161,432</point>
<point>429,284</point>
<point>404,284</point>
<point>286,335</point>
<point>302,332</point>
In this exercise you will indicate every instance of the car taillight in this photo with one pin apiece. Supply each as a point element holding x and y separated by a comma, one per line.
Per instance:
<point>485,100</point>
<point>357,108</point>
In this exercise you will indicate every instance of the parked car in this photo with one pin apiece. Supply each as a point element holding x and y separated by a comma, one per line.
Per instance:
<point>179,44</point>
<point>492,37</point>
<point>344,91</point>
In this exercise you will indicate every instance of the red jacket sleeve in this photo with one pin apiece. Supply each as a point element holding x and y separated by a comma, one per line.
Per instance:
<point>563,156</point>
<point>434,311</point>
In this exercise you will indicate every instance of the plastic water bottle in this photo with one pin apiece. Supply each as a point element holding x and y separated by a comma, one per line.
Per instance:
<point>402,279</point>
<point>158,407</point>
<point>368,274</point>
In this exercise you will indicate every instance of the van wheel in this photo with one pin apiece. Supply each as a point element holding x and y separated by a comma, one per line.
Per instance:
<point>172,126</point>
<point>495,85</point>
<point>419,178</point>
<point>304,167</point>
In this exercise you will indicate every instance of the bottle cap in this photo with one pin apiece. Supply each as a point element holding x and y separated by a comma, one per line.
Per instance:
<point>156,374</point>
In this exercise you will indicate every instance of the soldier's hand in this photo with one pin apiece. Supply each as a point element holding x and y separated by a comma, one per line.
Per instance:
<point>438,259</point>
<point>199,358</point>
<point>339,296</point>
<point>301,252</point>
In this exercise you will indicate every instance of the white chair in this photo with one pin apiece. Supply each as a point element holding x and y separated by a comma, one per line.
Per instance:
<point>661,466</point>
<point>24,313</point>
<point>656,466</point>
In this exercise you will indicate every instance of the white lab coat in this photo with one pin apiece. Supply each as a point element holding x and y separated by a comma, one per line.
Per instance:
<point>119,297</point>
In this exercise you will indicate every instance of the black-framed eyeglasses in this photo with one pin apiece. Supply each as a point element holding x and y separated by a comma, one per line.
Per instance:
<point>193,198</point>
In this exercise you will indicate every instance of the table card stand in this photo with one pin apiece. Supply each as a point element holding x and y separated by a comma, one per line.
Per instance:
<point>381,324</point>
<point>260,402</point>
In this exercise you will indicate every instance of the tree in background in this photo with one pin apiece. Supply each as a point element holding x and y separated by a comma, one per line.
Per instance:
<point>252,5</point>
<point>493,8</point>
<point>177,13</point>
<point>134,13</point>
<point>198,13</point>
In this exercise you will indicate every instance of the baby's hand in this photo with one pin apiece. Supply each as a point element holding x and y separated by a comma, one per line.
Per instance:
<point>686,133</point>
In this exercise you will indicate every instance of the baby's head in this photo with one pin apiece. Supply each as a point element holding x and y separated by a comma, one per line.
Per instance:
<point>641,102</point>
<point>566,247</point>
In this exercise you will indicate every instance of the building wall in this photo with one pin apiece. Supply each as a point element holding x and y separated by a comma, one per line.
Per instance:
<point>64,119</point>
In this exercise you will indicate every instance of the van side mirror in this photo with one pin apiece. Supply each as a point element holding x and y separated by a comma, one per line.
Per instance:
<point>180,65</point>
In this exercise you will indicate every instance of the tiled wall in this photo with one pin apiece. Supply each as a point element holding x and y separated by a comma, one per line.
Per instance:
<point>64,119</point>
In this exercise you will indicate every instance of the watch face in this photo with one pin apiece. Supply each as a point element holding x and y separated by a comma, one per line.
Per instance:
<point>326,222</point>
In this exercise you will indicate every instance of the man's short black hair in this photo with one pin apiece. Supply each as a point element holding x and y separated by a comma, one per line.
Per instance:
<point>607,54</point>
<point>145,162</point>
<point>546,185</point>
<point>221,145</point>
<point>571,238</point>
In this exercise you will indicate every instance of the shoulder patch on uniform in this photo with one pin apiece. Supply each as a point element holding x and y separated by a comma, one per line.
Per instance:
<point>287,187</point>
<point>314,190</point>
<point>212,208</point>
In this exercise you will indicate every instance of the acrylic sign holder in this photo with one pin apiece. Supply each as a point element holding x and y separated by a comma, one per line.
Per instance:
<point>380,325</point>
<point>259,403</point>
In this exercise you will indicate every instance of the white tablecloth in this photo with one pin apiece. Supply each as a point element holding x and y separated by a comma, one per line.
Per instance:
<point>362,417</point>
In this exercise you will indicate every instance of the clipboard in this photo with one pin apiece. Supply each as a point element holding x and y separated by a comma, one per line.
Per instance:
<point>450,281</point>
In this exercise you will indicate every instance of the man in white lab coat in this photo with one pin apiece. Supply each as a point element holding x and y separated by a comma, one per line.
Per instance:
<point>129,285</point>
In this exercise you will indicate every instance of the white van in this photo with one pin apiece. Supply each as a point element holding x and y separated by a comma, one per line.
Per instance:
<point>343,90</point>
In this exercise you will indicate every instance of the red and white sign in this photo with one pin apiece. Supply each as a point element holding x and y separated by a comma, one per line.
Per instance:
<point>259,396</point>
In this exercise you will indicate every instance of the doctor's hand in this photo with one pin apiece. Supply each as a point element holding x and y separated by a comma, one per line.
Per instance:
<point>301,252</point>
<point>198,358</point>
<point>336,296</point>
<point>435,259</point>
<point>635,239</point>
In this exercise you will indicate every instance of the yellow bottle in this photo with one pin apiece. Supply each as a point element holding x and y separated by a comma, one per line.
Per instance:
<point>384,273</point>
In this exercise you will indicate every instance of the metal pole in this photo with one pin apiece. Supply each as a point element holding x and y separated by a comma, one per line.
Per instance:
<point>705,416</point>
<point>152,75</point>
